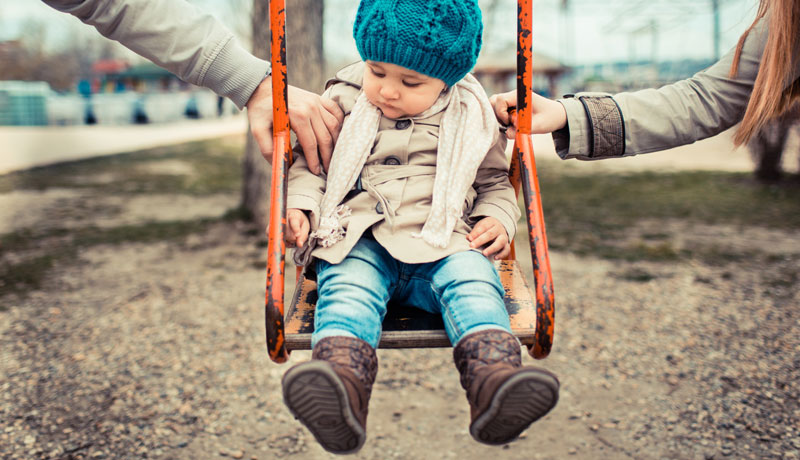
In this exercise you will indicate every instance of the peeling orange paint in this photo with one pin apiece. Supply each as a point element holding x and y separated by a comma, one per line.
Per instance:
<point>281,157</point>
<point>523,153</point>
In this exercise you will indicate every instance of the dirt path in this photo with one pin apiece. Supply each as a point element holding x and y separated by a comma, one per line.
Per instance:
<point>156,350</point>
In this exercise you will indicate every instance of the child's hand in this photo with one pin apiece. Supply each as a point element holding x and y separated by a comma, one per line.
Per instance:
<point>297,226</point>
<point>488,230</point>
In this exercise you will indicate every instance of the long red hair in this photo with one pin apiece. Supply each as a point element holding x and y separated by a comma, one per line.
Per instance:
<point>772,94</point>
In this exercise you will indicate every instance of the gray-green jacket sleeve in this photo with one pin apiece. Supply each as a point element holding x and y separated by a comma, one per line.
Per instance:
<point>604,126</point>
<point>178,37</point>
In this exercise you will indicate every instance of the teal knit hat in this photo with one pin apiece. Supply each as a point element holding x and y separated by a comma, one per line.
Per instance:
<point>438,38</point>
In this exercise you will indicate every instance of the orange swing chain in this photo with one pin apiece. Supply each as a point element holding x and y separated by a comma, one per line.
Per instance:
<point>524,168</point>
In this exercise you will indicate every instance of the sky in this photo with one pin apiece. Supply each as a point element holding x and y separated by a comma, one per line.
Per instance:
<point>594,31</point>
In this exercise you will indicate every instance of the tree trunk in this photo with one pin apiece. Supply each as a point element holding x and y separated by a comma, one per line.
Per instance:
<point>255,180</point>
<point>767,148</point>
<point>305,64</point>
<point>768,144</point>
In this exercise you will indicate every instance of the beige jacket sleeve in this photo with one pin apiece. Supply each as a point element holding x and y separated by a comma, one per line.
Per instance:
<point>306,189</point>
<point>605,126</point>
<point>178,37</point>
<point>496,196</point>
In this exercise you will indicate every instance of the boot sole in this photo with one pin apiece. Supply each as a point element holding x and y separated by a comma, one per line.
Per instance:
<point>316,396</point>
<point>518,402</point>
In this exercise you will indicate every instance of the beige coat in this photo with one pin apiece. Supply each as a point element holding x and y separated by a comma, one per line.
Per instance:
<point>397,182</point>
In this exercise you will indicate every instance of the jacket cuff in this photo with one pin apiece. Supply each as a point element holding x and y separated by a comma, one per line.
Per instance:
<point>571,141</point>
<point>595,128</point>
<point>304,202</point>
<point>492,210</point>
<point>235,73</point>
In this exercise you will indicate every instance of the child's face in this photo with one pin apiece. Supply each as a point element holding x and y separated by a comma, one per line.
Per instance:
<point>400,92</point>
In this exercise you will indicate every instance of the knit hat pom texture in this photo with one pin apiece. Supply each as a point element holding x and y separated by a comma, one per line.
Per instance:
<point>438,38</point>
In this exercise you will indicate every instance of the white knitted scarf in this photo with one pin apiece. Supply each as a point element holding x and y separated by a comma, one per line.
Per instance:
<point>467,131</point>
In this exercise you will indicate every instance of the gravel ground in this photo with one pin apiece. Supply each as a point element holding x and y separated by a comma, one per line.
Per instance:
<point>157,350</point>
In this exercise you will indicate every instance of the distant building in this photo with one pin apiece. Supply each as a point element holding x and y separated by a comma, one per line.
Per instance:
<point>120,93</point>
<point>619,76</point>
<point>116,75</point>
<point>114,93</point>
<point>23,103</point>
<point>497,72</point>
<point>100,71</point>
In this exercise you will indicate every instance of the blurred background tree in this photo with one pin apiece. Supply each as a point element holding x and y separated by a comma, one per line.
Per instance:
<point>33,57</point>
<point>769,144</point>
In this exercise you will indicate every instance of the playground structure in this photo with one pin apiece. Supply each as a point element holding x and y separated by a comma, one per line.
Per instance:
<point>531,311</point>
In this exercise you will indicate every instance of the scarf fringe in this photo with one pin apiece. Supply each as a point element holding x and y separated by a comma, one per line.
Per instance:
<point>435,240</point>
<point>330,230</point>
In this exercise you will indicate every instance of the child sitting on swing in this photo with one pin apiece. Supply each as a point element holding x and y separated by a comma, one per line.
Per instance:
<point>416,202</point>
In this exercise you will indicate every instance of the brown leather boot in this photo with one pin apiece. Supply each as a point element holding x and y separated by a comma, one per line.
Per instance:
<point>330,393</point>
<point>504,397</point>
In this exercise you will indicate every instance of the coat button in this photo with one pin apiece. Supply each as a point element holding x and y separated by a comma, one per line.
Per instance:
<point>392,161</point>
<point>379,208</point>
<point>402,124</point>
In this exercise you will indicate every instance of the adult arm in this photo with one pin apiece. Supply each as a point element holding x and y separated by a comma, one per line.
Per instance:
<point>602,126</point>
<point>591,126</point>
<point>315,119</point>
<point>198,49</point>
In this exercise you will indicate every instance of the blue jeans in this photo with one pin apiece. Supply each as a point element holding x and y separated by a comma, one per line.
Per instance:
<point>463,287</point>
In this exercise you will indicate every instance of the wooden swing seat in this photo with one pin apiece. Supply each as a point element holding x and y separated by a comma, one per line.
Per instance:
<point>409,327</point>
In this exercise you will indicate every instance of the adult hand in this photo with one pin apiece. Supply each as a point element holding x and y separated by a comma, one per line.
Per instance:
<point>315,120</point>
<point>490,230</point>
<point>548,115</point>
